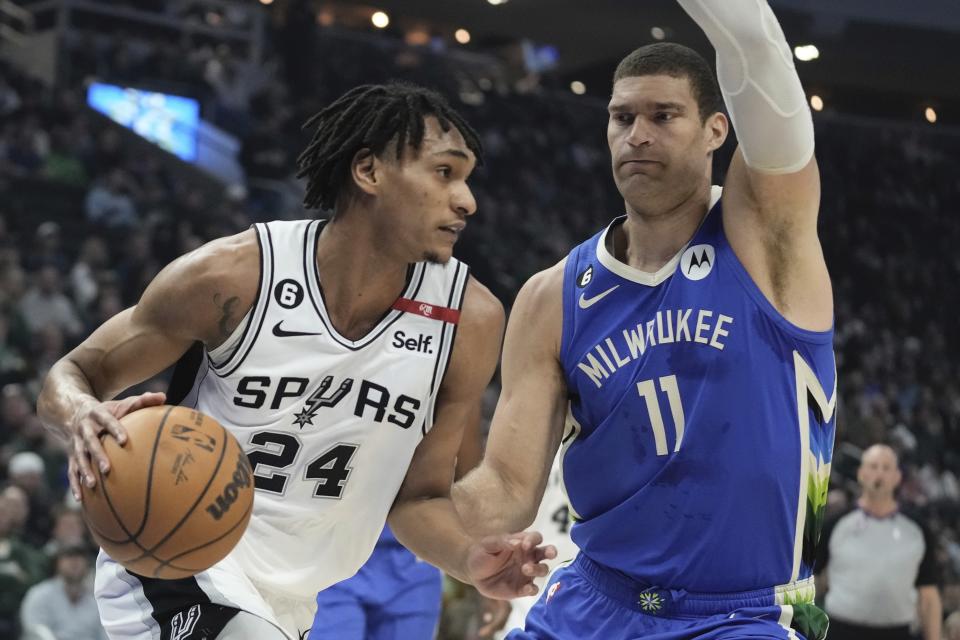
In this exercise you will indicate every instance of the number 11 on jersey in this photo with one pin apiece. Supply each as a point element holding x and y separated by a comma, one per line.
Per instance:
<point>648,391</point>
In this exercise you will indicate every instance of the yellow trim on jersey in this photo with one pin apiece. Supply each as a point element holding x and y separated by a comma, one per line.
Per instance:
<point>807,385</point>
<point>571,432</point>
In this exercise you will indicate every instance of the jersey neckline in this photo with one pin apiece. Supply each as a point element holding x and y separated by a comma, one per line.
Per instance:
<point>415,273</point>
<point>647,278</point>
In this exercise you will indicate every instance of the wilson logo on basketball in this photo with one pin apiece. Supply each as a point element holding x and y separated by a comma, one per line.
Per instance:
<point>241,478</point>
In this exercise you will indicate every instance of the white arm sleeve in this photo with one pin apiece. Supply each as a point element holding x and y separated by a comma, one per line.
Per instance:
<point>759,82</point>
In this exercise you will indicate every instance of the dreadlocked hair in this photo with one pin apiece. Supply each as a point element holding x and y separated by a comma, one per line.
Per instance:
<point>371,117</point>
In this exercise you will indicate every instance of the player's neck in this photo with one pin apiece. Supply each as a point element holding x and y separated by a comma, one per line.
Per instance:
<point>647,240</point>
<point>878,506</point>
<point>360,278</point>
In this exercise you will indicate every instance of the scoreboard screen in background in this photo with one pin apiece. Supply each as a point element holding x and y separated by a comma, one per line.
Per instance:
<point>168,121</point>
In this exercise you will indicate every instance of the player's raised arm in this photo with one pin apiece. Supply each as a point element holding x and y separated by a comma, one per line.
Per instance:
<point>772,190</point>
<point>188,301</point>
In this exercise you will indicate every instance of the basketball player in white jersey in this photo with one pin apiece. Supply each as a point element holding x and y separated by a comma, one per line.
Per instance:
<point>340,354</point>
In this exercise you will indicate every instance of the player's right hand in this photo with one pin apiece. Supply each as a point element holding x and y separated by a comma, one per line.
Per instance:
<point>504,567</point>
<point>93,420</point>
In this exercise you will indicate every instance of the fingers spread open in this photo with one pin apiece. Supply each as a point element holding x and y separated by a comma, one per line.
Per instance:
<point>548,552</point>
<point>82,461</point>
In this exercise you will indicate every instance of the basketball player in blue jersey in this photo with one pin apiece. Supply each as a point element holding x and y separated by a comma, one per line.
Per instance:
<point>344,355</point>
<point>394,596</point>
<point>687,349</point>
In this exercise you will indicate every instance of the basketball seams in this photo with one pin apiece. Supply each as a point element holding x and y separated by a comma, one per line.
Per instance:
<point>101,535</point>
<point>132,537</point>
<point>153,458</point>
<point>213,475</point>
<point>169,562</point>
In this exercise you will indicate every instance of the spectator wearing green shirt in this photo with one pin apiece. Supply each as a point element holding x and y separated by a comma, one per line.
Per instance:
<point>21,566</point>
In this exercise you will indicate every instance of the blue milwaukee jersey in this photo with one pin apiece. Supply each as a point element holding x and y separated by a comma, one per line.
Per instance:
<point>701,422</point>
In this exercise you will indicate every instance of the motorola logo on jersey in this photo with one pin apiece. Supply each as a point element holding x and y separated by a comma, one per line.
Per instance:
<point>584,278</point>
<point>697,262</point>
<point>288,293</point>
<point>387,406</point>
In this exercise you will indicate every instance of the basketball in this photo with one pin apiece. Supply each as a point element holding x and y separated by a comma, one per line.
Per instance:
<point>177,497</point>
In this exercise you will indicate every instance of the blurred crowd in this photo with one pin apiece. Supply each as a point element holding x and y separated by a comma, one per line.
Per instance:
<point>87,219</point>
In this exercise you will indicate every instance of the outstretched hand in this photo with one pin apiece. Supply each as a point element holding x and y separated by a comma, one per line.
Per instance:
<point>504,566</point>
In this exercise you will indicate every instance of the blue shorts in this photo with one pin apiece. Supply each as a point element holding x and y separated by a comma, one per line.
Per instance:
<point>586,601</point>
<point>394,596</point>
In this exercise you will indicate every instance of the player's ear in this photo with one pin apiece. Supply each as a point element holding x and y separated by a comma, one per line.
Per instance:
<point>365,171</point>
<point>716,128</point>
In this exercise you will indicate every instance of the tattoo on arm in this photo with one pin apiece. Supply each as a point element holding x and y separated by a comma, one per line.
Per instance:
<point>227,307</point>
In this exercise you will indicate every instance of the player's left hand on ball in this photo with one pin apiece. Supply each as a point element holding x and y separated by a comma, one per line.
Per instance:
<point>505,566</point>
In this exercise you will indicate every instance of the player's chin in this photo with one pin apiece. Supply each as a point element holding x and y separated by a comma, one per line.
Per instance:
<point>636,187</point>
<point>438,254</point>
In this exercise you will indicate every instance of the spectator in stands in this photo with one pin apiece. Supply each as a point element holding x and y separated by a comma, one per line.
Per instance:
<point>21,566</point>
<point>13,366</point>
<point>27,471</point>
<point>12,285</point>
<point>34,438</point>
<point>28,145</point>
<point>881,572</point>
<point>15,409</point>
<point>109,203</point>
<point>108,304</point>
<point>64,604</point>
<point>62,165</point>
<point>9,98</point>
<point>48,345</point>
<point>47,249</point>
<point>44,304</point>
<point>69,530</point>
<point>93,259</point>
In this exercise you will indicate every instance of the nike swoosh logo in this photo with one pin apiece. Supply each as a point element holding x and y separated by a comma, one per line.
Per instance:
<point>283,333</point>
<point>586,303</point>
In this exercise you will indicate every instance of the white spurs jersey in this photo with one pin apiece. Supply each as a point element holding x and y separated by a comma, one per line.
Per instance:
<point>329,424</point>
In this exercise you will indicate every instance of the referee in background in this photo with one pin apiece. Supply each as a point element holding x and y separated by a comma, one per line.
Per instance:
<point>876,564</point>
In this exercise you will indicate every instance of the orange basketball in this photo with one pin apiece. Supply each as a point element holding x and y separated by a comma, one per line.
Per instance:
<point>178,495</point>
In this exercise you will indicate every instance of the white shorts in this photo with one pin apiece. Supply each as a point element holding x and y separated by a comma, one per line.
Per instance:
<point>133,607</point>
